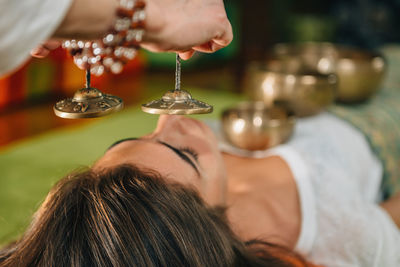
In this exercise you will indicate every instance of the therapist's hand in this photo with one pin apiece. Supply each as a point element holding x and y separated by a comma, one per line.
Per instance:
<point>181,26</point>
<point>185,26</point>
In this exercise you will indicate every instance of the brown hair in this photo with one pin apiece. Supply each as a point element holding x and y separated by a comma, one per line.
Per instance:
<point>129,217</point>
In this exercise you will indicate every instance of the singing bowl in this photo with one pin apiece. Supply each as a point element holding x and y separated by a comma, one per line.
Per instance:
<point>360,72</point>
<point>308,92</point>
<point>256,126</point>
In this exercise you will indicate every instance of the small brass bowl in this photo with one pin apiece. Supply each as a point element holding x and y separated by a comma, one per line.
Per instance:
<point>307,92</point>
<point>360,72</point>
<point>255,126</point>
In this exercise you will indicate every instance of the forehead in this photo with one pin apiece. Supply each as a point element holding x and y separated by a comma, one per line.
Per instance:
<point>151,155</point>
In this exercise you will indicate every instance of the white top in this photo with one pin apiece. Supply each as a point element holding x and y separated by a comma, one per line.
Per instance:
<point>23,25</point>
<point>338,179</point>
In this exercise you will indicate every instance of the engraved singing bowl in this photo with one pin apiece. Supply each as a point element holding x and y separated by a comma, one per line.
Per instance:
<point>306,91</point>
<point>360,72</point>
<point>256,126</point>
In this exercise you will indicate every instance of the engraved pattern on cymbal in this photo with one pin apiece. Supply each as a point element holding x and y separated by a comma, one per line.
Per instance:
<point>192,106</point>
<point>89,108</point>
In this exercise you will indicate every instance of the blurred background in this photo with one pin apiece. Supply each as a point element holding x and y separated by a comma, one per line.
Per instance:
<point>37,148</point>
<point>27,96</point>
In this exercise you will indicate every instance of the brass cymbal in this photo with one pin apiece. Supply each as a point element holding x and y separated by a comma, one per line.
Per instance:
<point>88,103</point>
<point>178,102</point>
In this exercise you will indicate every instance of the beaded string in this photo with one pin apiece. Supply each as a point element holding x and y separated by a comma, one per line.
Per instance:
<point>118,46</point>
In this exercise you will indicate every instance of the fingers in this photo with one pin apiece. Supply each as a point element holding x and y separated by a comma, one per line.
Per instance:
<point>40,52</point>
<point>52,44</point>
<point>225,37</point>
<point>208,47</point>
<point>44,49</point>
<point>191,31</point>
<point>186,55</point>
<point>222,39</point>
<point>222,36</point>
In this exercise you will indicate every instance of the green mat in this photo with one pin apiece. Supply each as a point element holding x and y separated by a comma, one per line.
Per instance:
<point>29,168</point>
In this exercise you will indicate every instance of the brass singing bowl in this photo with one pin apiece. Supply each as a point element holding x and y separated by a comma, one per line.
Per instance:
<point>360,72</point>
<point>306,91</point>
<point>256,126</point>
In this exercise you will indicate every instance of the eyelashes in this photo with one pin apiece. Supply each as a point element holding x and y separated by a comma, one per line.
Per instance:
<point>190,151</point>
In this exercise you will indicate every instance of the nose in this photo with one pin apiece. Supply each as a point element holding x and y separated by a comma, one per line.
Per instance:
<point>165,121</point>
<point>174,124</point>
<point>179,124</point>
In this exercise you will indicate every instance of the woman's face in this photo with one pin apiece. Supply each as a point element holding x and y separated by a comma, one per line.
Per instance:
<point>182,150</point>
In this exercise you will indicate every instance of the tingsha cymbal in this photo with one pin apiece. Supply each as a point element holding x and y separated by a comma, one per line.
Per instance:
<point>88,103</point>
<point>178,102</point>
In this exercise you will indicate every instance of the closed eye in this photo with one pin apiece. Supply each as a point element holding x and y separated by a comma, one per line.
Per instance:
<point>182,155</point>
<point>191,152</point>
<point>181,152</point>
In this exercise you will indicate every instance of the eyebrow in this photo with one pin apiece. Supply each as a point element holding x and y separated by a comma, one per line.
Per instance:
<point>121,141</point>
<point>181,155</point>
<point>177,151</point>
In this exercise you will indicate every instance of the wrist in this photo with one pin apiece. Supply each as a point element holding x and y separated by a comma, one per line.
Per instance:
<point>155,23</point>
<point>117,45</point>
<point>87,19</point>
